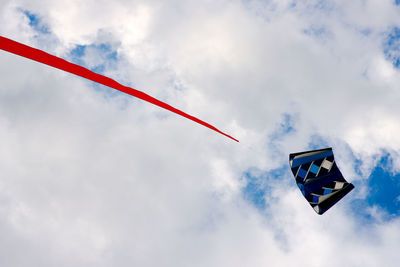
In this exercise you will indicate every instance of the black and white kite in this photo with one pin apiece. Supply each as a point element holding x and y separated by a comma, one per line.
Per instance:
<point>318,178</point>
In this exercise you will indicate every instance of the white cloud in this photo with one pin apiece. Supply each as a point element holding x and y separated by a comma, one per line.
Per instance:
<point>90,179</point>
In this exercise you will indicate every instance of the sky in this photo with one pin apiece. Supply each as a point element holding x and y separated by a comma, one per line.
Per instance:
<point>93,177</point>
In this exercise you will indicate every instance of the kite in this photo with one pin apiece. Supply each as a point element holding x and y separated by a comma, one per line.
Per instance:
<point>318,178</point>
<point>59,63</point>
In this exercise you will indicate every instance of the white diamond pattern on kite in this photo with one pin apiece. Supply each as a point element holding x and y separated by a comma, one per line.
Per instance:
<point>327,164</point>
<point>339,185</point>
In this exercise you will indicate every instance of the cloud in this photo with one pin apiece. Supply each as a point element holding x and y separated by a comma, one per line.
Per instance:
<point>91,177</point>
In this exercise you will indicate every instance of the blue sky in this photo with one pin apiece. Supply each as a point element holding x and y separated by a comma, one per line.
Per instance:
<point>259,187</point>
<point>383,190</point>
<point>78,53</point>
<point>391,46</point>
<point>36,22</point>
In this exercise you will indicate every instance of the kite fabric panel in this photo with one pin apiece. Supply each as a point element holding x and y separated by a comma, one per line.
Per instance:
<point>319,178</point>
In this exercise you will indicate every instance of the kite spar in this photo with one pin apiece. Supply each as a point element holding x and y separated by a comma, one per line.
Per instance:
<point>59,63</point>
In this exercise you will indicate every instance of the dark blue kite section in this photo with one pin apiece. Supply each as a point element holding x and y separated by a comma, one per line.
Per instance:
<point>318,178</point>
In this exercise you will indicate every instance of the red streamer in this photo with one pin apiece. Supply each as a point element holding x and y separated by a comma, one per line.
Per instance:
<point>59,63</point>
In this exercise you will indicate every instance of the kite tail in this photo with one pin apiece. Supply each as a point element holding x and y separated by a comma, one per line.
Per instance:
<point>59,63</point>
